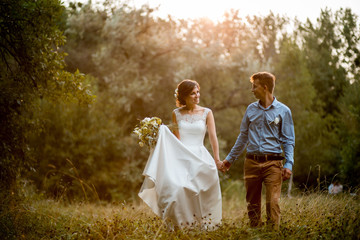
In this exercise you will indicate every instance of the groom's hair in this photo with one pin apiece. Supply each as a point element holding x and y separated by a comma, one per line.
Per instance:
<point>265,79</point>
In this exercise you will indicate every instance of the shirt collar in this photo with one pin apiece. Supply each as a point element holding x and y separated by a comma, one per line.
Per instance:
<point>274,104</point>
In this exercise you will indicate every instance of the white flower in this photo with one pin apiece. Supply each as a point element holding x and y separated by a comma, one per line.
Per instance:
<point>147,131</point>
<point>176,93</point>
<point>276,120</point>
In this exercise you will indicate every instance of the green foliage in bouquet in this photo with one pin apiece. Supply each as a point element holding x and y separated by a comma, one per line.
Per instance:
<point>148,131</point>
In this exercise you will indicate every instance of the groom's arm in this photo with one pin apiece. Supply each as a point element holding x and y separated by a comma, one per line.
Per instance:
<point>240,143</point>
<point>287,138</point>
<point>237,149</point>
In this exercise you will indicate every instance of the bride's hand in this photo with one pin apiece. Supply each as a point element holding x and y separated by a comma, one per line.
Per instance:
<point>220,166</point>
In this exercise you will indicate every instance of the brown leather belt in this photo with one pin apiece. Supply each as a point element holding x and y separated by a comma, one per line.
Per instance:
<point>265,157</point>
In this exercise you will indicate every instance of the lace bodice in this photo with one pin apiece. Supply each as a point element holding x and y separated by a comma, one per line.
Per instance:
<point>192,127</point>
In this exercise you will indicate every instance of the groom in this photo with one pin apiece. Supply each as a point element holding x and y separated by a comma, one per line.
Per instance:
<point>266,127</point>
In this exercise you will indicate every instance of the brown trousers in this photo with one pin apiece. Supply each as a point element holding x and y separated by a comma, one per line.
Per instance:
<point>256,173</point>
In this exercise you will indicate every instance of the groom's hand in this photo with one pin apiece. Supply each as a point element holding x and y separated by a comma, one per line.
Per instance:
<point>286,174</point>
<point>226,165</point>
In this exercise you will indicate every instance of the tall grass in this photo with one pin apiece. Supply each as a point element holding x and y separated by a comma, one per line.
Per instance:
<point>311,215</point>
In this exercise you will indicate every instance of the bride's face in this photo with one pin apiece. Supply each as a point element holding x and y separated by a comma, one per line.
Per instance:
<point>194,97</point>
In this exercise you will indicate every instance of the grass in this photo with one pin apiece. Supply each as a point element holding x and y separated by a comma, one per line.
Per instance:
<point>304,216</point>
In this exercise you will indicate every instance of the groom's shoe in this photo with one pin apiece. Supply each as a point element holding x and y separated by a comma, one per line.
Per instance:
<point>254,224</point>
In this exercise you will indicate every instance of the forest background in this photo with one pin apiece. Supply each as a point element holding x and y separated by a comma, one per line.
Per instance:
<point>76,80</point>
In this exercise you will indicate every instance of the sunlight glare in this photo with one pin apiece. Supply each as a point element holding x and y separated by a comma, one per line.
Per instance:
<point>215,9</point>
<point>191,9</point>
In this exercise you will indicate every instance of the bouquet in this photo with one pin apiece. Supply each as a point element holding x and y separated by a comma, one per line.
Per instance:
<point>148,131</point>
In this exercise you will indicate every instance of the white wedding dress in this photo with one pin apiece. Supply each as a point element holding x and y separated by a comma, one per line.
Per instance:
<point>181,180</point>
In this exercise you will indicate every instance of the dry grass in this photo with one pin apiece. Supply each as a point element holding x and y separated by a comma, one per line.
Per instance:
<point>305,216</point>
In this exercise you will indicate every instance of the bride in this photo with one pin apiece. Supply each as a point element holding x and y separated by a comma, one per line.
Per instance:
<point>181,182</point>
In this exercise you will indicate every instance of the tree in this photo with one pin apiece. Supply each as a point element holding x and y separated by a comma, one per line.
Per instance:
<point>350,135</point>
<point>349,117</point>
<point>332,51</point>
<point>268,32</point>
<point>313,140</point>
<point>83,28</point>
<point>322,43</point>
<point>32,70</point>
<point>89,152</point>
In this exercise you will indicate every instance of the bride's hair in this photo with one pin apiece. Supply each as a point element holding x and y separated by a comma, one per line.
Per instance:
<point>183,90</point>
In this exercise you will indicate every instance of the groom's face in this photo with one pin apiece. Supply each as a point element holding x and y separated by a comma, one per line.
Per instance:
<point>258,90</point>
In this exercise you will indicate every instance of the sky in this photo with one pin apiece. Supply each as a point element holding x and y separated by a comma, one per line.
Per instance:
<point>214,9</point>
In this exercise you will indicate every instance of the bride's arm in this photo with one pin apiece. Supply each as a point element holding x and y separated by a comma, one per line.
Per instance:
<point>175,130</point>
<point>213,138</point>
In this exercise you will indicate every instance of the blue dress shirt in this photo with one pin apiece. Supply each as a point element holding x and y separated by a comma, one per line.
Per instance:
<point>265,130</point>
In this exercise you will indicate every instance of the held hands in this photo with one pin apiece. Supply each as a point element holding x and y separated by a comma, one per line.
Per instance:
<point>223,166</point>
<point>219,165</point>
<point>226,165</point>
